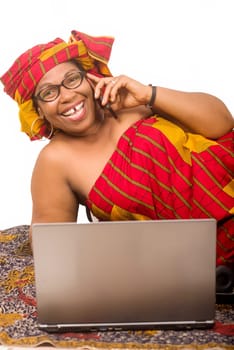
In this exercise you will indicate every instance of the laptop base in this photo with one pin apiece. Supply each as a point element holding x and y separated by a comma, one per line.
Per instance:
<point>126,326</point>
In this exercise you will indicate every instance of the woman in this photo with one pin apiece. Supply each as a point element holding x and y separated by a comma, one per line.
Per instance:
<point>125,150</point>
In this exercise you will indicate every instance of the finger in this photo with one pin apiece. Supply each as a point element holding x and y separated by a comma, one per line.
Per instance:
<point>103,88</point>
<point>115,89</point>
<point>93,81</point>
<point>109,94</point>
<point>98,83</point>
<point>93,77</point>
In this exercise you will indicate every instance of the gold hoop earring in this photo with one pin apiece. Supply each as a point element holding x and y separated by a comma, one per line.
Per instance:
<point>51,131</point>
<point>32,134</point>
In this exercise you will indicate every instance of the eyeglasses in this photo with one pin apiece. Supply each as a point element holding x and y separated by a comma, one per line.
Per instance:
<point>51,92</point>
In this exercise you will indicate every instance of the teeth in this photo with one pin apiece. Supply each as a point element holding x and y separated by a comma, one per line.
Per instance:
<point>70,112</point>
<point>78,108</point>
<point>73,110</point>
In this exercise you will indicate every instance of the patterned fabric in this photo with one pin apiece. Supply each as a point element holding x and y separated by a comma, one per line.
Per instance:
<point>160,172</point>
<point>21,79</point>
<point>18,313</point>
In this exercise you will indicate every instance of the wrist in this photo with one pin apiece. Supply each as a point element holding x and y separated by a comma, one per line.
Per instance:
<point>153,93</point>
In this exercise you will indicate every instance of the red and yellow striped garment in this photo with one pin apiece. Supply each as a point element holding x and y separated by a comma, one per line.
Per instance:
<point>158,171</point>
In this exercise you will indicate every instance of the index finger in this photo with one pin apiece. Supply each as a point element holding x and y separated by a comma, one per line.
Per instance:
<point>94,80</point>
<point>93,77</point>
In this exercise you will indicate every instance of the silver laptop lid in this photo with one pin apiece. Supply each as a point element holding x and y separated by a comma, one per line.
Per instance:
<point>125,274</point>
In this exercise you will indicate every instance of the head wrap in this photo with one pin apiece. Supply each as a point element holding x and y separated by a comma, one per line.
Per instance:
<point>20,81</point>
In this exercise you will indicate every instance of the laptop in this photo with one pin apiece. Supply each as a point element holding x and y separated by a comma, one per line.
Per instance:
<point>125,274</point>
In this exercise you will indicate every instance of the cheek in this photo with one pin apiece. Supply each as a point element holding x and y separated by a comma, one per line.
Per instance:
<point>47,111</point>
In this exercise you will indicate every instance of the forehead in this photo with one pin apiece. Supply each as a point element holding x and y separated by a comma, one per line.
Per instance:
<point>56,74</point>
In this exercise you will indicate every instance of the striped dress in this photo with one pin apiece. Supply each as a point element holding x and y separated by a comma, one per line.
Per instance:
<point>158,171</point>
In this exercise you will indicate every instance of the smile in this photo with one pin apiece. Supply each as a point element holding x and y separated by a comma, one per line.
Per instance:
<point>75,112</point>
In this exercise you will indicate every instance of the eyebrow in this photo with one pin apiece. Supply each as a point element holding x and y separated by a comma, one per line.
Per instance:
<point>45,85</point>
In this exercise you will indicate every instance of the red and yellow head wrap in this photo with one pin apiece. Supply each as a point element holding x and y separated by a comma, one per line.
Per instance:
<point>21,79</point>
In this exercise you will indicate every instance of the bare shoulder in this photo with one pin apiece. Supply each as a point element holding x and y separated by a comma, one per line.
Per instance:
<point>52,195</point>
<point>51,152</point>
<point>47,167</point>
<point>52,156</point>
<point>50,168</point>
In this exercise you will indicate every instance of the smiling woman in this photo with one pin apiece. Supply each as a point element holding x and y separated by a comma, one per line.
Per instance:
<point>183,48</point>
<point>161,157</point>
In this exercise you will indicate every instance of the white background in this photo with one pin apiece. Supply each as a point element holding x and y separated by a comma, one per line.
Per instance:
<point>181,44</point>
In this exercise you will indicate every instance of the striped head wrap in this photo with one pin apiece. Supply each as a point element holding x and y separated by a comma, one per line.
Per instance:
<point>20,81</point>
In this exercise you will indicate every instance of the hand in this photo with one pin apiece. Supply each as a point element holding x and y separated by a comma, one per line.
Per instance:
<point>120,92</point>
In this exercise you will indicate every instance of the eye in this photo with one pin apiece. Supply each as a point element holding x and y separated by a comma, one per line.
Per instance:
<point>73,80</point>
<point>48,93</point>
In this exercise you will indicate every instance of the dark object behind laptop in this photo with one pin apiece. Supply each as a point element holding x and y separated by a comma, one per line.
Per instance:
<point>224,285</point>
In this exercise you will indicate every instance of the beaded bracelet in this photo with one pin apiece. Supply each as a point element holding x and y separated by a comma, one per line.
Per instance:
<point>153,96</point>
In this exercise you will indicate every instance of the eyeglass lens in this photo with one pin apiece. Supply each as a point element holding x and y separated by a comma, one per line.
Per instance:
<point>51,92</point>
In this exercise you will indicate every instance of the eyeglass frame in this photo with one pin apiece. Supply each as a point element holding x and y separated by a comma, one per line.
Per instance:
<point>58,86</point>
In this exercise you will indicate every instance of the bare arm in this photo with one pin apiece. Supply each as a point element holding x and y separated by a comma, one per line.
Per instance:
<point>195,111</point>
<point>53,199</point>
<point>199,112</point>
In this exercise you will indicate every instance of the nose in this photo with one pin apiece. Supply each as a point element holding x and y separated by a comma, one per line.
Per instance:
<point>65,94</point>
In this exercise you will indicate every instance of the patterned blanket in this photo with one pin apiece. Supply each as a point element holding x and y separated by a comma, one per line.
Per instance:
<point>18,313</point>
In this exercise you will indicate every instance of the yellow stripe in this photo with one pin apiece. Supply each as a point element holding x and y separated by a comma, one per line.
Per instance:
<point>118,213</point>
<point>53,51</point>
<point>225,261</point>
<point>213,197</point>
<point>166,206</point>
<point>124,194</point>
<point>231,238</point>
<point>136,183</point>
<point>32,77</point>
<point>207,172</point>
<point>100,213</point>
<point>225,249</point>
<point>181,198</point>
<point>184,142</point>
<point>168,188</point>
<point>153,142</point>
<point>202,208</point>
<point>103,197</point>
<point>224,228</point>
<point>198,143</point>
<point>178,172</point>
<point>139,167</point>
<point>139,151</point>
<point>153,159</point>
<point>42,67</point>
<point>218,159</point>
